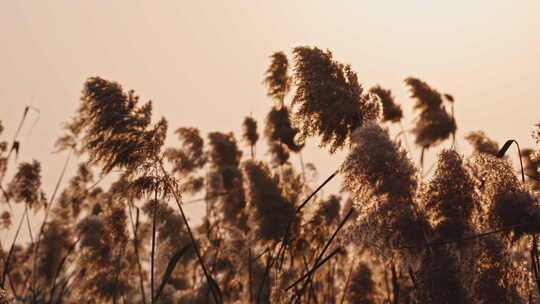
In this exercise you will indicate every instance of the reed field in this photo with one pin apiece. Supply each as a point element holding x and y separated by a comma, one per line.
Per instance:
<point>463,229</point>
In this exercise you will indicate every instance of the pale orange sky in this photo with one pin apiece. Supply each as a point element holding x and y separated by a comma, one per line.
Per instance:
<point>202,62</point>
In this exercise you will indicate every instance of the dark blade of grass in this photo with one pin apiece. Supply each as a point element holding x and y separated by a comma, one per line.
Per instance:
<point>347,281</point>
<point>327,245</point>
<point>475,236</point>
<point>505,148</point>
<point>170,268</point>
<point>281,251</point>
<point>317,266</point>
<point>316,191</point>
<point>205,198</point>
<point>15,143</point>
<point>214,287</point>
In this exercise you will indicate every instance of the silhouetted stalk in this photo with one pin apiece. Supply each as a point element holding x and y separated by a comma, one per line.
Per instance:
<point>269,263</point>
<point>21,122</point>
<point>216,255</point>
<point>216,293</point>
<point>315,192</point>
<point>206,198</point>
<point>395,285</point>
<point>12,286</point>
<point>302,166</point>
<point>170,268</point>
<point>417,216</point>
<point>6,264</point>
<point>475,236</point>
<point>309,281</point>
<point>284,240</point>
<point>425,174</point>
<point>35,252</point>
<point>413,279</point>
<point>135,227</point>
<point>59,269</point>
<point>422,161</point>
<point>6,196</point>
<point>250,279</point>
<point>65,289</point>
<point>535,263</point>
<point>118,270</point>
<point>347,282</point>
<point>29,226</point>
<point>32,287</point>
<point>453,118</point>
<point>387,286</point>
<point>405,137</point>
<point>327,245</point>
<point>152,254</point>
<point>309,273</point>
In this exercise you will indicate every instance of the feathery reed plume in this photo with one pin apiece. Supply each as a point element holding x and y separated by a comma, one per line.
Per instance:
<point>377,166</point>
<point>279,154</point>
<point>271,212</point>
<point>103,253</point>
<point>391,111</point>
<point>191,155</point>
<point>76,197</point>
<point>188,159</point>
<point>331,102</point>
<point>449,198</point>
<point>507,201</point>
<point>481,143</point>
<point>433,124</point>
<point>532,166</point>
<point>382,181</point>
<point>224,165</point>
<point>117,130</point>
<point>277,79</point>
<point>250,134</point>
<point>26,186</point>
<point>224,150</point>
<point>279,129</point>
<point>70,140</point>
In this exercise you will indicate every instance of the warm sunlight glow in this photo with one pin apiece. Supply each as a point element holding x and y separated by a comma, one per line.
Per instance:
<point>263,152</point>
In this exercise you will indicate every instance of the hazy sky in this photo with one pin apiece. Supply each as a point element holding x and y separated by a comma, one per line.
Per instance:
<point>202,62</point>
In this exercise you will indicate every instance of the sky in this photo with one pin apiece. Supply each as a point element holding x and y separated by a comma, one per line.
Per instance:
<point>202,63</point>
